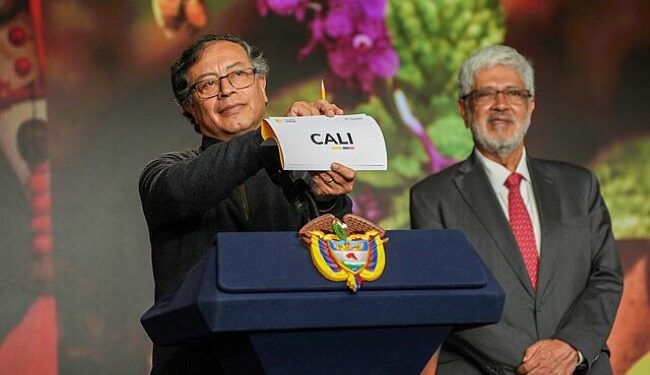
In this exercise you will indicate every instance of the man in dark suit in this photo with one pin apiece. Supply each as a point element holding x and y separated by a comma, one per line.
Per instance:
<point>541,227</point>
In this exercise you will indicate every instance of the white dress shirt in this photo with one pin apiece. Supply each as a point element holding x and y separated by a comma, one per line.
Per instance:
<point>497,174</point>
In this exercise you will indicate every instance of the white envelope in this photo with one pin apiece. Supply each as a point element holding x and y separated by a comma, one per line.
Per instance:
<point>313,143</point>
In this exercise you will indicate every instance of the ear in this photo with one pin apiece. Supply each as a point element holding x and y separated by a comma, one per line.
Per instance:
<point>531,106</point>
<point>262,82</point>
<point>188,108</point>
<point>463,111</point>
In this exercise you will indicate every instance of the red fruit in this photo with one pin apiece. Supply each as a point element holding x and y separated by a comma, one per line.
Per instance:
<point>41,224</point>
<point>39,183</point>
<point>17,36</point>
<point>23,66</point>
<point>42,243</point>
<point>41,204</point>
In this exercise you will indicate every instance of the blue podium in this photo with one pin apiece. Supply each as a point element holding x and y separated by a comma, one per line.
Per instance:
<point>263,284</point>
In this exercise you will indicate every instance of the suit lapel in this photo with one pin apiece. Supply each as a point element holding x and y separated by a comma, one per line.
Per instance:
<point>474,186</point>
<point>547,199</point>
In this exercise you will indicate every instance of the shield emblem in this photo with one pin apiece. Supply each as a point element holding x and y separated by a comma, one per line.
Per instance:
<point>350,255</point>
<point>350,251</point>
<point>354,260</point>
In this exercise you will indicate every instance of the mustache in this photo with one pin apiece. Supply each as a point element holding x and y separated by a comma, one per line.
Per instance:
<point>225,107</point>
<point>500,117</point>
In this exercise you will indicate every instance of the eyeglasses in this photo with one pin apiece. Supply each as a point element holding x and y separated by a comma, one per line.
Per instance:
<point>211,87</point>
<point>488,96</point>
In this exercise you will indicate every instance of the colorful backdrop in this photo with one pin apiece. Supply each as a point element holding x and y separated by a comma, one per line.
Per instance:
<point>85,102</point>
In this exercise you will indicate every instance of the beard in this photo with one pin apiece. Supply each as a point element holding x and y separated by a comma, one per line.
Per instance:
<point>503,147</point>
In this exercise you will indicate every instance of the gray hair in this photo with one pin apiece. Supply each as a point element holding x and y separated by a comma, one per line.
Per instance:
<point>488,57</point>
<point>189,57</point>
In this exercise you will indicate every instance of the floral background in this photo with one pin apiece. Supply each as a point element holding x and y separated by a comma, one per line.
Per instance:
<point>85,102</point>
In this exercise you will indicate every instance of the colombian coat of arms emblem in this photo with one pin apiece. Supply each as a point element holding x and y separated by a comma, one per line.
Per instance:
<point>351,250</point>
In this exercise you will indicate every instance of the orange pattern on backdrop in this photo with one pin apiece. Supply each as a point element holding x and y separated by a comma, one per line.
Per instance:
<point>30,348</point>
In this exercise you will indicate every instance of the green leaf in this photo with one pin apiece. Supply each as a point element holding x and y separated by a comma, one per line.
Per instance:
<point>406,166</point>
<point>380,179</point>
<point>451,137</point>
<point>339,230</point>
<point>624,174</point>
<point>306,90</point>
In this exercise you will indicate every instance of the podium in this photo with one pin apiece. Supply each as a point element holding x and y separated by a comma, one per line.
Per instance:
<point>263,284</point>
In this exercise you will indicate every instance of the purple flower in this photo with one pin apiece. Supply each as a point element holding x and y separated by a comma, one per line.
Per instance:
<point>363,58</point>
<point>353,33</point>
<point>338,23</point>
<point>374,8</point>
<point>317,27</point>
<point>283,7</point>
<point>375,29</point>
<point>366,204</point>
<point>385,60</point>
<point>359,47</point>
<point>344,15</point>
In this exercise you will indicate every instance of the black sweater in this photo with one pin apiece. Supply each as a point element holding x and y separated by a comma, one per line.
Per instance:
<point>189,196</point>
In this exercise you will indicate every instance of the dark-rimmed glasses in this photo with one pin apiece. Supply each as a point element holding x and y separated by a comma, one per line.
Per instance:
<point>513,96</point>
<point>211,86</point>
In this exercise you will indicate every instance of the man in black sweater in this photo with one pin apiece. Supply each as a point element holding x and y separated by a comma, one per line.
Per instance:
<point>227,184</point>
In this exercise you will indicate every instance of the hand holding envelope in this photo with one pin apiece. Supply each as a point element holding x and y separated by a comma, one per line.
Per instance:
<point>339,179</point>
<point>321,107</point>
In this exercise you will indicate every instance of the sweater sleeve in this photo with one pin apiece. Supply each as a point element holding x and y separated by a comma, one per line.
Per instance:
<point>181,185</point>
<point>338,207</point>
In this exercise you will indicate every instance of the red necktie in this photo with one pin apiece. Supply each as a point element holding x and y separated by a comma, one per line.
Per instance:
<point>522,227</point>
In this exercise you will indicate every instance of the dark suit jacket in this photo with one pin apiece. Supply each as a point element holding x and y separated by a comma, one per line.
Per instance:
<point>580,278</point>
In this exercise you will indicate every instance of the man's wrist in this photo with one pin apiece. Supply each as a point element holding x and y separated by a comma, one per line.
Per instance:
<point>327,205</point>
<point>580,358</point>
<point>582,366</point>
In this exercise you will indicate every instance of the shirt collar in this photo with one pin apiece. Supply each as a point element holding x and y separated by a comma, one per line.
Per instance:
<point>497,173</point>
